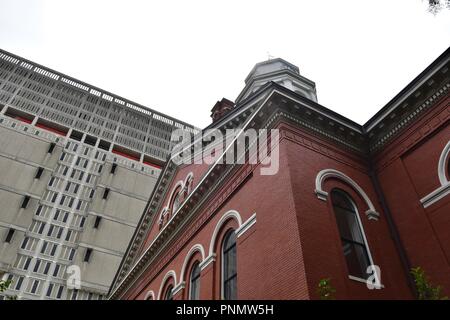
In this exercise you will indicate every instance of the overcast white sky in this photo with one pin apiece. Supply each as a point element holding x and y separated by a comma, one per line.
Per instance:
<point>180,57</point>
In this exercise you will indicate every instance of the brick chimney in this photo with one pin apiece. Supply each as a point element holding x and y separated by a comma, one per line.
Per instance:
<point>221,108</point>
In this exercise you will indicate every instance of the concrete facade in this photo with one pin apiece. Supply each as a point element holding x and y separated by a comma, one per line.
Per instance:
<point>77,165</point>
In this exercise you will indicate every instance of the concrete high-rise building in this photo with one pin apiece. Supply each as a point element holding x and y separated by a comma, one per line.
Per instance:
<point>77,165</point>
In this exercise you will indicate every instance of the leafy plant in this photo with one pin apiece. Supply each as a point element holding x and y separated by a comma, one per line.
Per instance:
<point>425,290</point>
<point>325,290</point>
<point>4,284</point>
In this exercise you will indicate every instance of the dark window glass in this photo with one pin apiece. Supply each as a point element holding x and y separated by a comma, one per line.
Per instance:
<point>194,285</point>
<point>83,219</point>
<point>35,285</point>
<point>353,245</point>
<point>27,264</point>
<point>53,250</point>
<point>51,147</point>
<point>38,211</point>
<point>49,290</point>
<point>9,235</point>
<point>39,173</point>
<point>105,193</point>
<point>44,247</point>
<point>25,201</point>
<point>47,267</point>
<point>60,291</point>
<point>24,243</point>
<point>113,168</point>
<point>229,270</point>
<point>56,271</point>
<point>50,231</point>
<point>36,266</point>
<point>72,253</point>
<point>87,255</point>
<point>169,294</point>
<point>19,283</point>
<point>97,221</point>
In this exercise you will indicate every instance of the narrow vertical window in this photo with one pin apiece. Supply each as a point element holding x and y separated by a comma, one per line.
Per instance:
<point>97,222</point>
<point>39,172</point>
<point>229,275</point>
<point>9,235</point>
<point>51,147</point>
<point>352,239</point>
<point>87,255</point>
<point>49,290</point>
<point>169,294</point>
<point>106,193</point>
<point>194,285</point>
<point>113,168</point>
<point>25,201</point>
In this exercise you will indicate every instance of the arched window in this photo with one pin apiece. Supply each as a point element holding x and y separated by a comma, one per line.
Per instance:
<point>169,294</point>
<point>194,282</point>
<point>229,272</point>
<point>352,238</point>
<point>176,203</point>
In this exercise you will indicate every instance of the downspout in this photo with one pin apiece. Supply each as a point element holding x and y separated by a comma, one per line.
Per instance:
<point>393,230</point>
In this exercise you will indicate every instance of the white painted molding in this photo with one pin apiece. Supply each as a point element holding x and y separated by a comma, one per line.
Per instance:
<point>444,189</point>
<point>209,259</point>
<point>169,274</point>
<point>192,251</point>
<point>246,225</point>
<point>371,214</point>
<point>178,186</point>
<point>232,214</point>
<point>381,286</point>
<point>436,195</point>
<point>441,165</point>
<point>178,287</point>
<point>149,294</point>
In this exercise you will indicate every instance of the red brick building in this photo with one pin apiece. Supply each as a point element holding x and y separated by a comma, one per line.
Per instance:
<point>345,196</point>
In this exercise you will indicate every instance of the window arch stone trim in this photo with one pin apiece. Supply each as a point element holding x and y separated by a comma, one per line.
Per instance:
<point>325,174</point>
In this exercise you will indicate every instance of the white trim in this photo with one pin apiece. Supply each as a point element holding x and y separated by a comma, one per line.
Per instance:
<point>364,236</point>
<point>178,287</point>
<point>441,166</point>
<point>444,189</point>
<point>381,286</point>
<point>192,251</point>
<point>208,260</point>
<point>148,294</point>
<point>170,273</point>
<point>230,214</point>
<point>371,214</point>
<point>246,225</point>
<point>436,195</point>
<point>180,184</point>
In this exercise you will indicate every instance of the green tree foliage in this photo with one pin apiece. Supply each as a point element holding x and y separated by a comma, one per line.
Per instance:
<point>325,290</point>
<point>425,290</point>
<point>434,6</point>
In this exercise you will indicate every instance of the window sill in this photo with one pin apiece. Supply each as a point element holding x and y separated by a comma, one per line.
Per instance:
<point>358,279</point>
